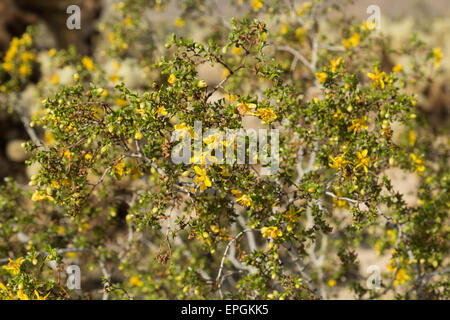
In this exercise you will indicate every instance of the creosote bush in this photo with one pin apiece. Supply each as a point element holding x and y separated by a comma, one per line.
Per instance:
<point>107,195</point>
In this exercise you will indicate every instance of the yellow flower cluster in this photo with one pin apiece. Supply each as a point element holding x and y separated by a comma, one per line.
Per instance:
<point>13,266</point>
<point>401,274</point>
<point>418,163</point>
<point>179,22</point>
<point>136,282</point>
<point>359,124</point>
<point>300,34</point>
<point>351,42</point>
<point>339,162</point>
<point>321,76</point>
<point>202,178</point>
<point>266,114</point>
<point>257,4</point>
<point>335,64</point>
<point>88,63</point>
<point>242,198</point>
<point>397,68</point>
<point>119,168</point>
<point>5,292</point>
<point>437,55</point>
<point>271,232</point>
<point>172,79</point>
<point>378,78</point>
<point>306,8</point>
<point>39,196</point>
<point>17,58</point>
<point>244,107</point>
<point>363,160</point>
<point>292,215</point>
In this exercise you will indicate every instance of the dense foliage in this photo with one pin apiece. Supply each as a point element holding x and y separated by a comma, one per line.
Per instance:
<point>108,197</point>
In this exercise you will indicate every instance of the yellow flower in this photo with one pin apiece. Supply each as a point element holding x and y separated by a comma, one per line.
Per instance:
<point>120,102</point>
<point>172,79</point>
<point>67,154</point>
<point>304,9</point>
<point>88,156</point>
<point>338,115</point>
<point>179,22</point>
<point>118,168</point>
<point>401,277</point>
<point>183,130</point>
<point>27,56</point>
<point>271,232</point>
<point>339,202</point>
<point>22,296</point>
<point>202,180</point>
<point>114,77</point>
<point>38,297</point>
<point>321,77</point>
<point>377,77</point>
<point>204,236</point>
<point>3,288</point>
<point>337,162</point>
<point>437,55</point>
<point>257,4</point>
<point>366,26</point>
<point>225,73</point>
<point>202,84</point>
<point>244,107</point>
<point>25,69</point>
<point>230,97</point>
<point>39,196</point>
<point>8,66</point>
<point>55,79</point>
<point>353,41</point>
<point>136,282</point>
<point>61,230</point>
<point>242,198</point>
<point>212,142</point>
<point>397,68</point>
<point>55,184</point>
<point>161,111</point>
<point>284,29</point>
<point>292,214</point>
<point>138,136</point>
<point>412,138</point>
<point>335,64</point>
<point>237,51</point>
<point>331,283</point>
<point>88,63</point>
<point>266,114</point>
<point>13,266</point>
<point>363,160</point>
<point>418,163</point>
<point>300,34</point>
<point>359,124</point>
<point>128,21</point>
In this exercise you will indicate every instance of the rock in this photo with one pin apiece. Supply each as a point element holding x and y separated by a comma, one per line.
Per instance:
<point>211,74</point>
<point>406,183</point>
<point>33,169</point>
<point>15,152</point>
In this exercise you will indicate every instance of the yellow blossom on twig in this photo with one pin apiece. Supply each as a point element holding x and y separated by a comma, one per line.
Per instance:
<point>271,232</point>
<point>363,160</point>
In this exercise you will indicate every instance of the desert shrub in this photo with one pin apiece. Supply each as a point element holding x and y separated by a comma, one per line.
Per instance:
<point>107,195</point>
